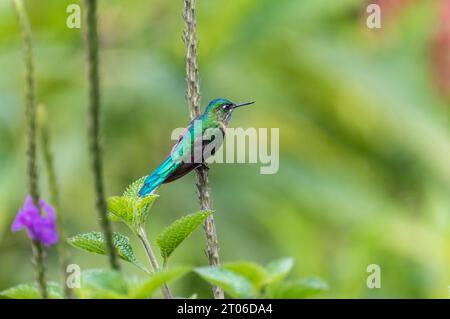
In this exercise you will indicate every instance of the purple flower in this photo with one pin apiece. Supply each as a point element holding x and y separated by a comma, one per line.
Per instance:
<point>39,227</point>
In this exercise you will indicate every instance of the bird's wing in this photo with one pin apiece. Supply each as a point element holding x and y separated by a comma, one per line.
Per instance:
<point>185,155</point>
<point>183,134</point>
<point>170,164</point>
<point>184,169</point>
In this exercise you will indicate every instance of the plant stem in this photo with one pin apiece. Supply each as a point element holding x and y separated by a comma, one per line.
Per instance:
<point>38,256</point>
<point>152,259</point>
<point>64,256</point>
<point>94,127</point>
<point>193,95</point>
<point>38,252</point>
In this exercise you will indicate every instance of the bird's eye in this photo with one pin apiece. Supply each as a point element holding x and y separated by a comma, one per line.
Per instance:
<point>225,107</point>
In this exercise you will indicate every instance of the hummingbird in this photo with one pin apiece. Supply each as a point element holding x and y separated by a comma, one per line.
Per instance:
<point>201,132</point>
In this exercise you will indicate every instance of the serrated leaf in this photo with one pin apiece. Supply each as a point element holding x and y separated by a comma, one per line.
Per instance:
<point>175,233</point>
<point>31,291</point>
<point>121,208</point>
<point>279,269</point>
<point>123,246</point>
<point>156,280</point>
<point>133,189</point>
<point>133,210</point>
<point>235,285</point>
<point>296,289</point>
<point>100,283</point>
<point>254,273</point>
<point>94,242</point>
<point>141,209</point>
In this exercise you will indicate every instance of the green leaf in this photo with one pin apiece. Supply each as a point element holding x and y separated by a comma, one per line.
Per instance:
<point>133,189</point>
<point>131,208</point>
<point>279,269</point>
<point>94,242</point>
<point>175,233</point>
<point>31,291</point>
<point>125,251</point>
<point>141,209</point>
<point>120,208</point>
<point>156,280</point>
<point>235,285</point>
<point>300,288</point>
<point>254,273</point>
<point>100,283</point>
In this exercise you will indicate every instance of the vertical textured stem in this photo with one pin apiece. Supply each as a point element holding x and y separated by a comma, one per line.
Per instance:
<point>54,195</point>
<point>94,127</point>
<point>191,44</point>
<point>153,261</point>
<point>193,96</point>
<point>38,256</point>
<point>38,252</point>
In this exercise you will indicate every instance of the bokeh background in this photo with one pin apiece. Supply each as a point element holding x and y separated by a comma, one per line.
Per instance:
<point>364,133</point>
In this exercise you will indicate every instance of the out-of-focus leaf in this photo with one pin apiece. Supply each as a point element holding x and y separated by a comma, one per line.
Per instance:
<point>100,283</point>
<point>296,289</point>
<point>31,291</point>
<point>156,280</point>
<point>254,273</point>
<point>235,285</point>
<point>279,269</point>
<point>175,233</point>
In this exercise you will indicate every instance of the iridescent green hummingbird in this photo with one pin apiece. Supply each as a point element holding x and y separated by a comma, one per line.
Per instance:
<point>201,132</point>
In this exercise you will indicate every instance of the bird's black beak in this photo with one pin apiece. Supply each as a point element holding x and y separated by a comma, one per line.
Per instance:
<point>242,104</point>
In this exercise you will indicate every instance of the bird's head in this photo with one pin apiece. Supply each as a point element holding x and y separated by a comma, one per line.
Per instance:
<point>221,109</point>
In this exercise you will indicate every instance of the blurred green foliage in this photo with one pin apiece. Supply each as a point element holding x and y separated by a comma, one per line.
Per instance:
<point>364,135</point>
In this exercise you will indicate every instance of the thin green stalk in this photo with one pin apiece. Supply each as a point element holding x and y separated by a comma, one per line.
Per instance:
<point>64,255</point>
<point>152,259</point>
<point>193,95</point>
<point>94,127</point>
<point>38,252</point>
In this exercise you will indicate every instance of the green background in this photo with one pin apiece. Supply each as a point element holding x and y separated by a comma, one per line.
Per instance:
<point>364,135</point>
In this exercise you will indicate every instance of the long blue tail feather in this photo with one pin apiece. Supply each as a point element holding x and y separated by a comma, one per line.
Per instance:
<point>159,175</point>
